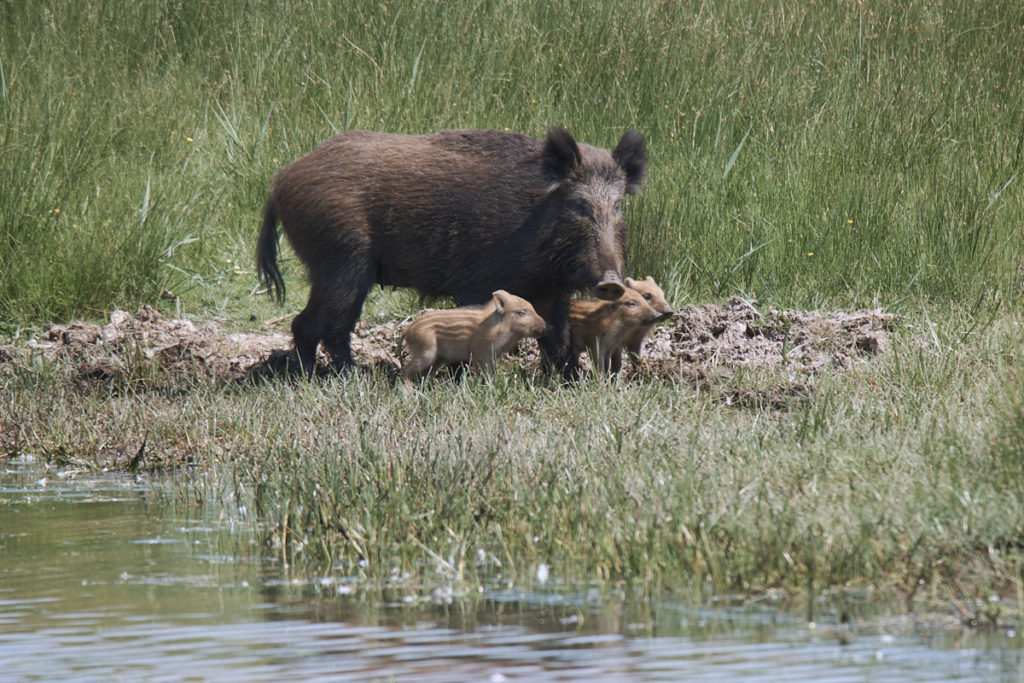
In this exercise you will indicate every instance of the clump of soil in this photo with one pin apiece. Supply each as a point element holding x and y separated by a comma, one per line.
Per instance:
<point>706,346</point>
<point>700,341</point>
<point>150,341</point>
<point>739,335</point>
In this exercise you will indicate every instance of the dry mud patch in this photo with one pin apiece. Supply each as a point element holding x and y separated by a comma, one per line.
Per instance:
<point>699,346</point>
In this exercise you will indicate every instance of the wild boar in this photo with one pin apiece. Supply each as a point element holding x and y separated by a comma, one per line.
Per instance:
<point>655,297</point>
<point>601,328</point>
<point>470,334</point>
<point>460,213</point>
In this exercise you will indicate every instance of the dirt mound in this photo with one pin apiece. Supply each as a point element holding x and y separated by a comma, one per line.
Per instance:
<point>150,341</point>
<point>699,340</point>
<point>738,335</point>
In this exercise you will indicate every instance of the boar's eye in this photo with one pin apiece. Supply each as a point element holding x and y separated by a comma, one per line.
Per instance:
<point>582,209</point>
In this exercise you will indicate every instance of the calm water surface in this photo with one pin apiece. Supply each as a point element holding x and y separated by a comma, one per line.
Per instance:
<point>106,578</point>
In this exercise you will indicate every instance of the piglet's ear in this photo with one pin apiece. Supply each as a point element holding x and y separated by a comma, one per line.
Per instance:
<point>630,282</point>
<point>560,156</point>
<point>631,156</point>
<point>500,300</point>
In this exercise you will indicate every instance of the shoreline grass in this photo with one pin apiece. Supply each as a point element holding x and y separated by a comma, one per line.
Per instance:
<point>901,474</point>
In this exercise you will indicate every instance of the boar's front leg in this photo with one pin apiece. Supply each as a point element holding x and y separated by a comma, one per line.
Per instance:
<point>616,361</point>
<point>555,342</point>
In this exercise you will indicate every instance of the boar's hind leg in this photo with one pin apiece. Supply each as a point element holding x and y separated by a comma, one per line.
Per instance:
<point>307,329</point>
<point>343,302</point>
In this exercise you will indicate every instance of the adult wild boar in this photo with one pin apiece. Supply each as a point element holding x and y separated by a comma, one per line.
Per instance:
<point>460,213</point>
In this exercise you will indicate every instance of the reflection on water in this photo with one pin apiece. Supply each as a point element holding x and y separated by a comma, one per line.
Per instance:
<point>104,578</point>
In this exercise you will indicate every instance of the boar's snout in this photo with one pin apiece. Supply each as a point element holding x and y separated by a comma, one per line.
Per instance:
<point>610,287</point>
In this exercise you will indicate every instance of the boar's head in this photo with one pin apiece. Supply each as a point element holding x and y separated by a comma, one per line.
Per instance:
<point>583,202</point>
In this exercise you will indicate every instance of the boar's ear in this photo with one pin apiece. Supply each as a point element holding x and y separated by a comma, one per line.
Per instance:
<point>631,156</point>
<point>500,300</point>
<point>561,155</point>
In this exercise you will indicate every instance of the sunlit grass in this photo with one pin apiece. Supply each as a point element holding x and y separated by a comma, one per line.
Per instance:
<point>800,156</point>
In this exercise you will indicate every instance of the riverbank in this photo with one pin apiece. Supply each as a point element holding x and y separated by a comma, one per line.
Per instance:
<point>889,466</point>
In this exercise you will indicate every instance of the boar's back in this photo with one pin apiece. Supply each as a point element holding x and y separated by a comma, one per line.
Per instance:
<point>446,214</point>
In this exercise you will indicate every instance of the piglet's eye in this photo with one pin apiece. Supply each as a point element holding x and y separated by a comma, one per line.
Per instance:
<point>630,304</point>
<point>647,297</point>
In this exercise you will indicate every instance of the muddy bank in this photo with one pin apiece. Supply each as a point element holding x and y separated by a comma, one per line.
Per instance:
<point>699,342</point>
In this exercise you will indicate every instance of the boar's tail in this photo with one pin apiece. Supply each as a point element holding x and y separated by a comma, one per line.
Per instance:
<point>266,254</point>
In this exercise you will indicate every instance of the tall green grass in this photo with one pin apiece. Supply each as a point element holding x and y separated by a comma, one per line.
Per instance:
<point>803,155</point>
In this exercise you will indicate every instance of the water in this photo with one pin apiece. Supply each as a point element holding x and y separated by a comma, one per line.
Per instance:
<point>104,578</point>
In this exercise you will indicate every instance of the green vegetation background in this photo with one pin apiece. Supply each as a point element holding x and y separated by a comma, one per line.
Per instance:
<point>803,154</point>
<point>829,154</point>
